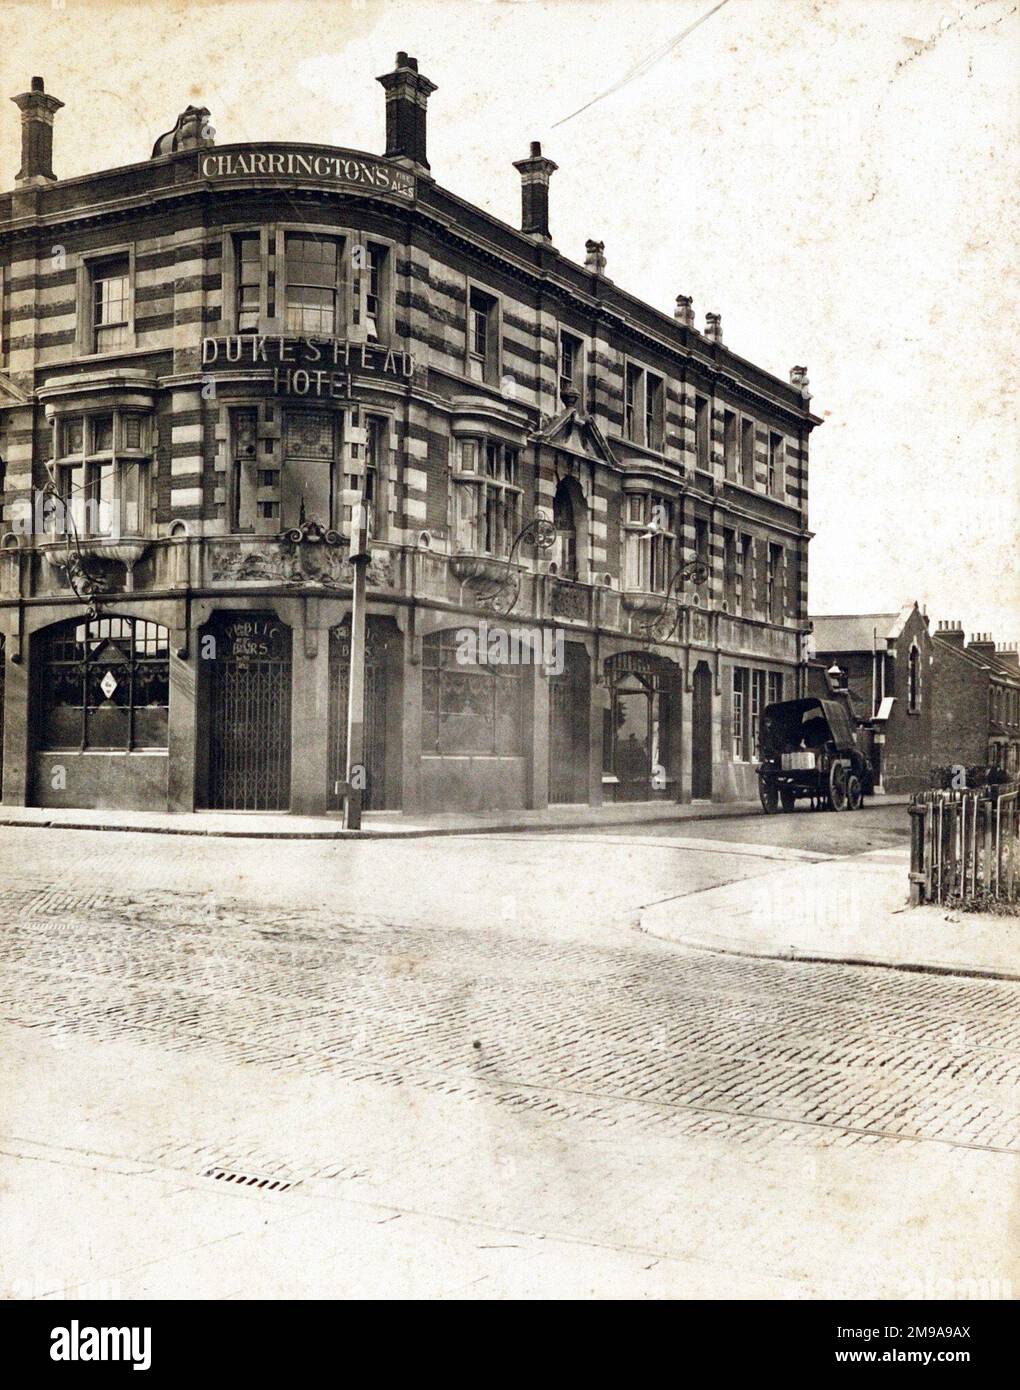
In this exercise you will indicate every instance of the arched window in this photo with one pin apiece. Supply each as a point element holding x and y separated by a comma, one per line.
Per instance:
<point>914,680</point>
<point>472,693</point>
<point>103,683</point>
<point>571,522</point>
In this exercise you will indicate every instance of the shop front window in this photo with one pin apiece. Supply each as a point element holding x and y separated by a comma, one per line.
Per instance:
<point>104,684</point>
<point>467,706</point>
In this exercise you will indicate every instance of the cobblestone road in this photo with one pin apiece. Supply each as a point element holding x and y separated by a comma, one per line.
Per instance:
<point>236,953</point>
<point>631,1033</point>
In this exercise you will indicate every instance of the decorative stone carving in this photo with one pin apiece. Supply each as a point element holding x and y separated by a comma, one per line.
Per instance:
<point>799,379</point>
<point>569,600</point>
<point>305,555</point>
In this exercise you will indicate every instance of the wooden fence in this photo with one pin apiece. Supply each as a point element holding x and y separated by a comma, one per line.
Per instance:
<point>965,845</point>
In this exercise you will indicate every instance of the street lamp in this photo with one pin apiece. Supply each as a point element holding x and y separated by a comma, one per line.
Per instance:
<point>663,624</point>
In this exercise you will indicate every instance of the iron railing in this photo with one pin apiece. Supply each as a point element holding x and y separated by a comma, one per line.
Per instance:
<point>965,845</point>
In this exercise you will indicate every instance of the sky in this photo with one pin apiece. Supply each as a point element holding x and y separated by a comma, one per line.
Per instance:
<point>837,178</point>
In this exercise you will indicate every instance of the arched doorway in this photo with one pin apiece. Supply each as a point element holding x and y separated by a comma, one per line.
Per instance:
<point>570,517</point>
<point>640,753</point>
<point>249,670</point>
<point>701,734</point>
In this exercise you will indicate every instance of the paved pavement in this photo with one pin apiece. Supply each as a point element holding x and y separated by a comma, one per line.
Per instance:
<point>661,815</point>
<point>453,1068</point>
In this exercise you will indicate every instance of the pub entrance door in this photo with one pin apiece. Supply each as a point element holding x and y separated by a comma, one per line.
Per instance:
<point>569,701</point>
<point>701,734</point>
<point>374,797</point>
<point>249,713</point>
<point>640,753</point>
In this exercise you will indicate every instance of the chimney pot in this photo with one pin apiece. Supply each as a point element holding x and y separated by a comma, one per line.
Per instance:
<point>38,85</point>
<point>594,257</point>
<point>684,311</point>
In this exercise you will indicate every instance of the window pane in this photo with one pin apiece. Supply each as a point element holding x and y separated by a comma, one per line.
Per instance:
<point>74,436</point>
<point>102,434</point>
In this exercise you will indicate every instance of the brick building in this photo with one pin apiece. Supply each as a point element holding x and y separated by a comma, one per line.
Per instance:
<point>208,356</point>
<point>885,662</point>
<point>977,701</point>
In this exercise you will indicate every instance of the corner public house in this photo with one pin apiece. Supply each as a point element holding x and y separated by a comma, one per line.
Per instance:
<point>206,359</point>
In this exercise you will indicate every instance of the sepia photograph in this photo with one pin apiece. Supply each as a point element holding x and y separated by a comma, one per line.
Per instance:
<point>509,672</point>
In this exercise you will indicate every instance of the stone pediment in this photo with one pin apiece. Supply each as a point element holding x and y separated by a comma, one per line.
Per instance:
<point>575,434</point>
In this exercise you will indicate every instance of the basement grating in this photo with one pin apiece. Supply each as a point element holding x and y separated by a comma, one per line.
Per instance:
<point>257,1181</point>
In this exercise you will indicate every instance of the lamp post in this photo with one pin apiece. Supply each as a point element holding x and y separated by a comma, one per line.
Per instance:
<point>355,770</point>
<point>662,625</point>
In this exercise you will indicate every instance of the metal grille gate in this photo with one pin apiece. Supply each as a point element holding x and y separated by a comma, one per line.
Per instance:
<point>374,796</point>
<point>249,707</point>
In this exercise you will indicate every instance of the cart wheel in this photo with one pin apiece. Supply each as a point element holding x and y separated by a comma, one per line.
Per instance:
<point>854,793</point>
<point>787,798</point>
<point>837,787</point>
<point>768,791</point>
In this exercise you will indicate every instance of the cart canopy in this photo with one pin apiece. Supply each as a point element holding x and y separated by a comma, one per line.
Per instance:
<point>809,724</point>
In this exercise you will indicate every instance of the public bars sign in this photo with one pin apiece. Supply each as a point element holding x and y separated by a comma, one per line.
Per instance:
<point>340,168</point>
<point>308,366</point>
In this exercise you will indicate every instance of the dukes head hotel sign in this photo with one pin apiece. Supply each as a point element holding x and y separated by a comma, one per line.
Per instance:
<point>307,366</point>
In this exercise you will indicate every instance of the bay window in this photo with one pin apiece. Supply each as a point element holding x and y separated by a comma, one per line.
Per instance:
<point>102,464</point>
<point>488,497</point>
<point>649,542</point>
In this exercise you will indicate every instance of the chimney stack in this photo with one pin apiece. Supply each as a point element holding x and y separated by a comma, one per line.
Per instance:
<point>37,111</point>
<point>535,172</point>
<point>1009,654</point>
<point>407,96</point>
<point>684,311</point>
<point>951,631</point>
<point>595,257</point>
<point>982,644</point>
<point>713,328</point>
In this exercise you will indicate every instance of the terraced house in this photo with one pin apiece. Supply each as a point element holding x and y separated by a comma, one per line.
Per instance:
<point>208,359</point>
